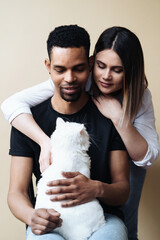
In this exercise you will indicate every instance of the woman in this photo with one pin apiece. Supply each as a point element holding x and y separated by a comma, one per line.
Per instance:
<point>120,92</point>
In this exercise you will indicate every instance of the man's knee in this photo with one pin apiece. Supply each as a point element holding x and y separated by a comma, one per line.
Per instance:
<point>113,229</point>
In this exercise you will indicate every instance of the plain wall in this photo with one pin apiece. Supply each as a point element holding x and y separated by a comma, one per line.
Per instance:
<point>24,28</point>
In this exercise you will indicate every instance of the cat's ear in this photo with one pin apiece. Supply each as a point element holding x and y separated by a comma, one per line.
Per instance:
<point>82,127</point>
<point>60,121</point>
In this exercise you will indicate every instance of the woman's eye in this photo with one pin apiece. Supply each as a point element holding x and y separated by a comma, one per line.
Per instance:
<point>118,70</point>
<point>101,66</point>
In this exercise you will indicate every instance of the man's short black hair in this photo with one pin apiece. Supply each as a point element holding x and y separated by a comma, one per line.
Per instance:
<point>68,36</point>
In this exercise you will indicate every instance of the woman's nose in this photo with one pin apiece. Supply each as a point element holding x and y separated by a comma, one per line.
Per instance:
<point>107,75</point>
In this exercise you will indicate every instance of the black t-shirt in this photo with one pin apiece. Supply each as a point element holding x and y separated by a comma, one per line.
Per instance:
<point>103,137</point>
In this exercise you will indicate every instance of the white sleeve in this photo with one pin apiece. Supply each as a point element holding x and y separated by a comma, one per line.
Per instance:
<point>145,125</point>
<point>22,101</point>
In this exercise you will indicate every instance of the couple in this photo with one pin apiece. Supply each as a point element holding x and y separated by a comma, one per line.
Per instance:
<point>119,90</point>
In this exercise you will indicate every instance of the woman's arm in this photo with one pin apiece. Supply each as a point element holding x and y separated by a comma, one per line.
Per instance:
<point>140,138</point>
<point>17,111</point>
<point>22,101</point>
<point>26,124</point>
<point>145,125</point>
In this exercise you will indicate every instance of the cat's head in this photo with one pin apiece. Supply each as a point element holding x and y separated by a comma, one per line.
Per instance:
<point>71,135</point>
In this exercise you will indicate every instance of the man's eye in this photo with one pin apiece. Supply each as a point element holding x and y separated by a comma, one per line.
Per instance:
<point>79,69</point>
<point>59,70</point>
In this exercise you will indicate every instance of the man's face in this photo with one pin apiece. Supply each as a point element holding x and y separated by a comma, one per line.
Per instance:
<point>69,69</point>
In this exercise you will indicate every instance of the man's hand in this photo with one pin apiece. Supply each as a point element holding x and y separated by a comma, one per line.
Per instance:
<point>44,221</point>
<point>76,189</point>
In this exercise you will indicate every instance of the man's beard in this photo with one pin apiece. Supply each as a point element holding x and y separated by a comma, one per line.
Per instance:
<point>70,97</point>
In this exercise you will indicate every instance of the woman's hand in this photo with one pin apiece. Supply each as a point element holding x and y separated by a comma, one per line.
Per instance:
<point>45,155</point>
<point>110,107</point>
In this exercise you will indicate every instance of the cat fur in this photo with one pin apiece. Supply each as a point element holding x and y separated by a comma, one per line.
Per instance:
<point>70,142</point>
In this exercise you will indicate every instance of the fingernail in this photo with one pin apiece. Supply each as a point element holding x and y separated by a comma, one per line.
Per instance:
<point>52,198</point>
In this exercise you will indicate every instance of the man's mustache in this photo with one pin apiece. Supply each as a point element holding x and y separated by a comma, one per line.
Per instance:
<point>74,85</point>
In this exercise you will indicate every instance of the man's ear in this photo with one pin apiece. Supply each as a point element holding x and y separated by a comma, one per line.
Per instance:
<point>48,65</point>
<point>91,62</point>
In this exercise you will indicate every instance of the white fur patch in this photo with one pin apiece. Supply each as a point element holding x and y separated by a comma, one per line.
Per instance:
<point>69,142</point>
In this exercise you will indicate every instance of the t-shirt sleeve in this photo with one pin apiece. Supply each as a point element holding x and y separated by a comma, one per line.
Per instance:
<point>19,145</point>
<point>116,142</point>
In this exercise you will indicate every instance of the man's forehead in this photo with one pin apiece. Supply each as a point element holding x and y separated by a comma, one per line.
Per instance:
<point>77,54</point>
<point>57,48</point>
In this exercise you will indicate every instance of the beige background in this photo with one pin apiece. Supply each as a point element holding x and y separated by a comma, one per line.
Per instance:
<point>24,28</point>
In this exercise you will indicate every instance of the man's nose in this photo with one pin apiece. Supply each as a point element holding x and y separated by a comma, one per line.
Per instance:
<point>69,77</point>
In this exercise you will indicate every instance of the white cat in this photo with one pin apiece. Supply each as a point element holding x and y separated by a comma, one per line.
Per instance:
<point>69,142</point>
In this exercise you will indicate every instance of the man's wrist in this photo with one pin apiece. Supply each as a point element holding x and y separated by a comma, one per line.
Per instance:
<point>99,189</point>
<point>30,216</point>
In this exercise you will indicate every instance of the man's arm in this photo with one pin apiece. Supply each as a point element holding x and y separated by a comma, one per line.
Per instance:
<point>40,220</point>
<point>79,189</point>
<point>117,192</point>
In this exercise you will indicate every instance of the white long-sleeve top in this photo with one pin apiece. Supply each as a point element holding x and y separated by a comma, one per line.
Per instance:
<point>144,121</point>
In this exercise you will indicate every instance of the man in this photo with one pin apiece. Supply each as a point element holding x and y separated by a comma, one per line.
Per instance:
<point>69,65</point>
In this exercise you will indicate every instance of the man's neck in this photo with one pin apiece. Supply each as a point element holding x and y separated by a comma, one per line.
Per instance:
<point>65,107</point>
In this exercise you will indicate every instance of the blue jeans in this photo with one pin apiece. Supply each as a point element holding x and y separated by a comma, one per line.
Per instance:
<point>130,209</point>
<point>113,229</point>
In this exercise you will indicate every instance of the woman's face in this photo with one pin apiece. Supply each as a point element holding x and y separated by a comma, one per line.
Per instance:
<point>108,71</point>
